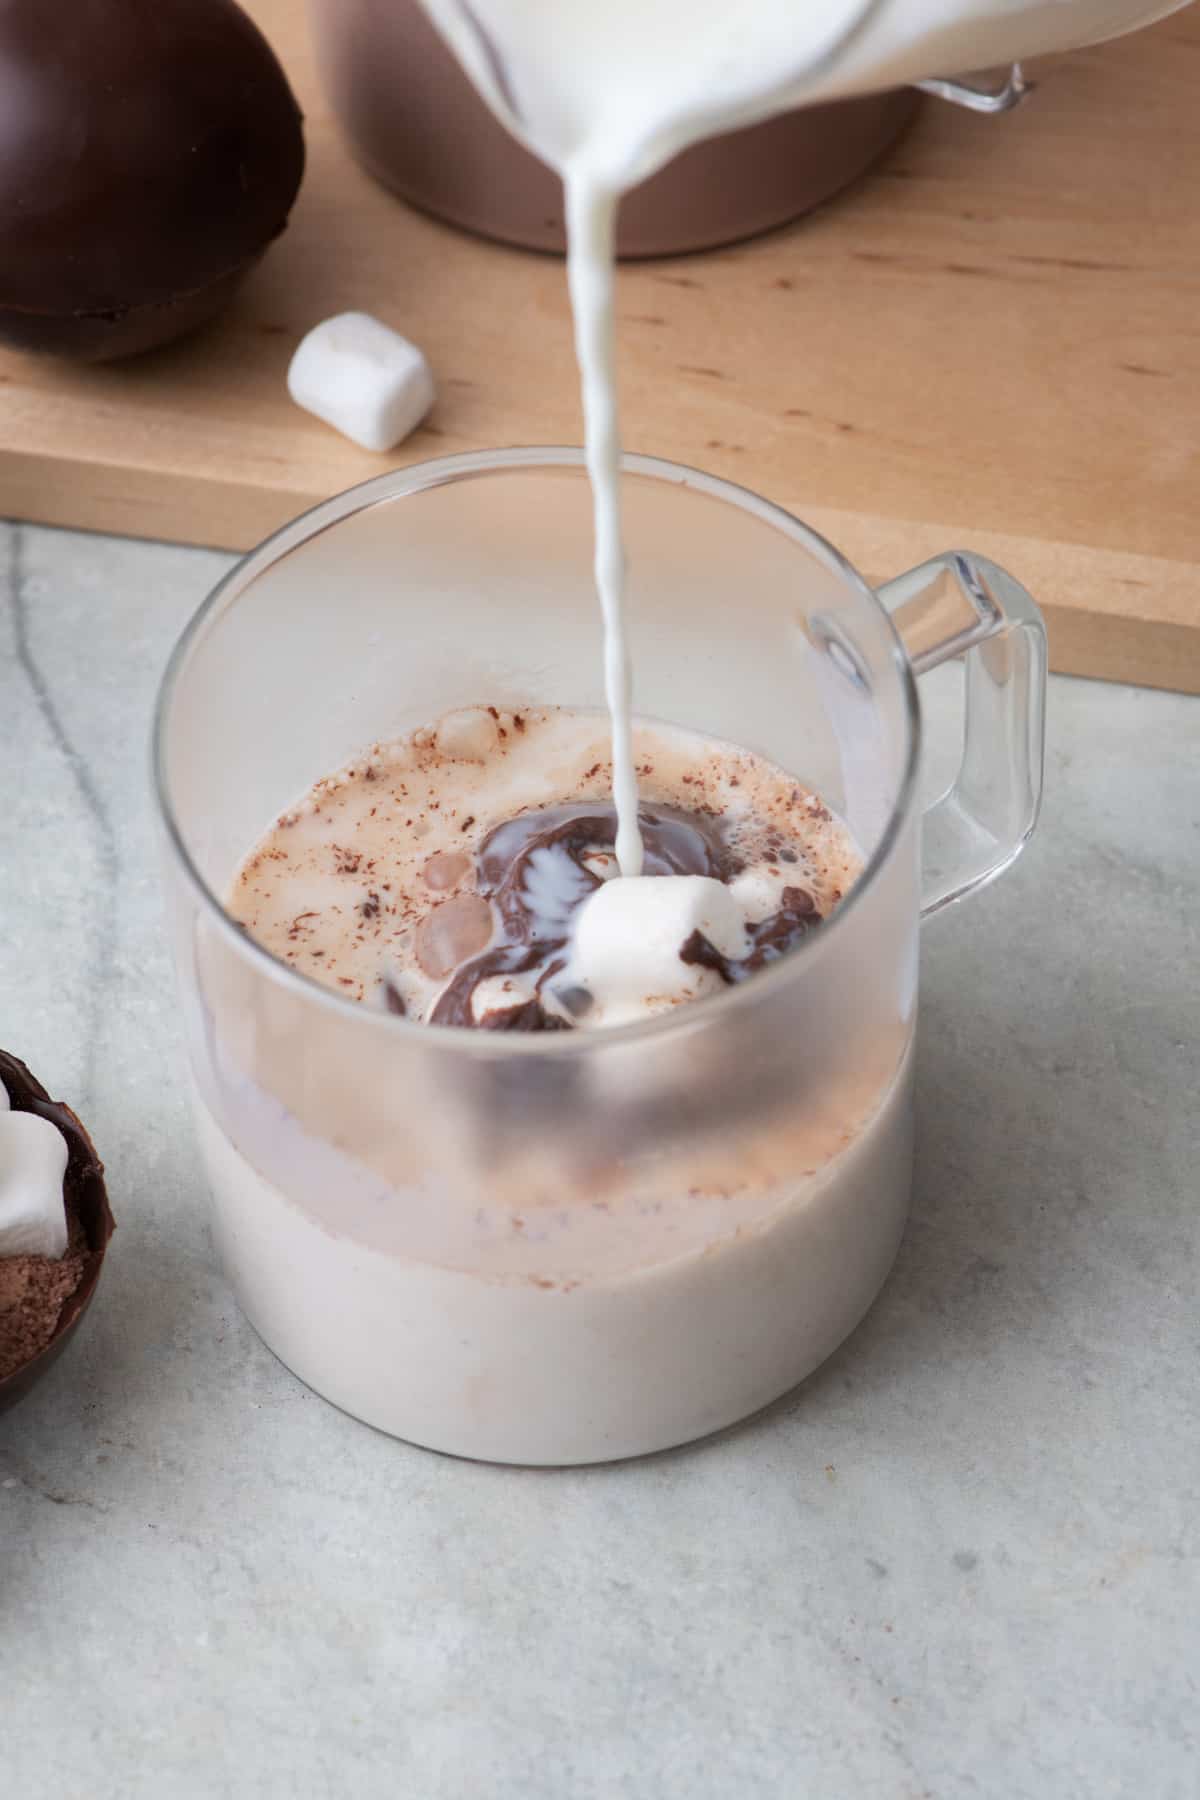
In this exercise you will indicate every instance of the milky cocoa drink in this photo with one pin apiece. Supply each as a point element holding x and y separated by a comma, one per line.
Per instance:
<point>562,1308</point>
<point>467,875</point>
<point>621,1322</point>
<point>569,1258</point>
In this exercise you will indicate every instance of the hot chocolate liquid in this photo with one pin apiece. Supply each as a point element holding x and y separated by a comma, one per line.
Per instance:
<point>465,876</point>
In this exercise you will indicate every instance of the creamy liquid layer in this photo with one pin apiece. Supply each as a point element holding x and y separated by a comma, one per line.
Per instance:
<point>377,883</point>
<point>694,1316</point>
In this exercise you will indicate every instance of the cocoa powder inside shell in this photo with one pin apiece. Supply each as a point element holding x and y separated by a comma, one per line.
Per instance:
<point>33,1292</point>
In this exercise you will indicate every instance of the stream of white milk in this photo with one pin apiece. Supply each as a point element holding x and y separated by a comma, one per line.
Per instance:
<point>607,91</point>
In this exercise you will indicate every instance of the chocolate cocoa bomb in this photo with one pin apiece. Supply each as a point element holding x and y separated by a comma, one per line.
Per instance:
<point>88,1213</point>
<point>150,150</point>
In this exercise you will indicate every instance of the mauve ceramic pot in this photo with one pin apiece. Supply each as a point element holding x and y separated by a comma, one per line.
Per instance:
<point>416,124</point>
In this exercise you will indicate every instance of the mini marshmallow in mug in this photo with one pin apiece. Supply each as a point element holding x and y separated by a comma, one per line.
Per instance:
<point>628,936</point>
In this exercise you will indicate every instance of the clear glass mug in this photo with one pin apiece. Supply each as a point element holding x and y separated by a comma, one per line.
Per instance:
<point>570,1247</point>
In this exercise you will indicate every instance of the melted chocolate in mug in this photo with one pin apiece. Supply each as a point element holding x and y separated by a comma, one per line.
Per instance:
<point>535,872</point>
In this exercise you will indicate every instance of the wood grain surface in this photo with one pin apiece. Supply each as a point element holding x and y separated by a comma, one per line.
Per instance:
<point>992,341</point>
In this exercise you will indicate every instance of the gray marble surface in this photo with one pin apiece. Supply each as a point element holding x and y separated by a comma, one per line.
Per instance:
<point>961,1560</point>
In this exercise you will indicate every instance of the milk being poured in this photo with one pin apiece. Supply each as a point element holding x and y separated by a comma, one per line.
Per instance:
<point>607,91</point>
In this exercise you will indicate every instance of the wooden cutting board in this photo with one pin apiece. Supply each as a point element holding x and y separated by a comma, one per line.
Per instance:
<point>992,341</point>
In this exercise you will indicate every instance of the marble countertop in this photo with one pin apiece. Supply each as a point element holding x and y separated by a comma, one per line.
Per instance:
<point>961,1560</point>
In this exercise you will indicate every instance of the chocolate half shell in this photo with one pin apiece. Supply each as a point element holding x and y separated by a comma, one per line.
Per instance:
<point>150,150</point>
<point>86,1199</point>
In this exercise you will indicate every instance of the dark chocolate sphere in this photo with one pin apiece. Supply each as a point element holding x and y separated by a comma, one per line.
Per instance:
<point>149,152</point>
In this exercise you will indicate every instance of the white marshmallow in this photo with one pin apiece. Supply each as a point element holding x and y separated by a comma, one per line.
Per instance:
<point>468,735</point>
<point>628,935</point>
<point>33,1161</point>
<point>362,378</point>
<point>757,892</point>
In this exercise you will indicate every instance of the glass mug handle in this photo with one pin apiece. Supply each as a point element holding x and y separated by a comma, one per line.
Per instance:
<point>961,605</point>
<point>980,94</point>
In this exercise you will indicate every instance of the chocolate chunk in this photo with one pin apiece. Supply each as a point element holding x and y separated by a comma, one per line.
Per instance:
<point>699,951</point>
<point>455,1004</point>
<point>769,939</point>
<point>772,937</point>
<point>528,1015</point>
